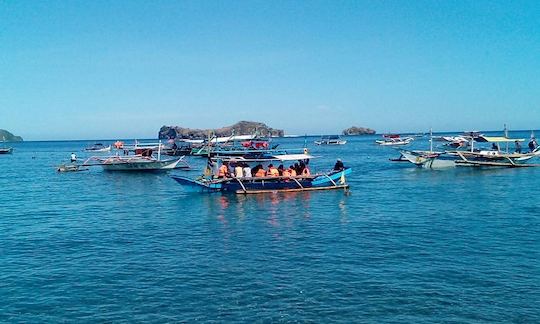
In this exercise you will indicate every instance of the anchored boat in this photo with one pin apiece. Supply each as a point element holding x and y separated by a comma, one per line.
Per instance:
<point>98,147</point>
<point>394,140</point>
<point>4,149</point>
<point>331,140</point>
<point>143,160</point>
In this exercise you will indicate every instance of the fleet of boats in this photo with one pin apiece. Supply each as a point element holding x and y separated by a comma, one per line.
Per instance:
<point>471,149</point>
<point>475,153</point>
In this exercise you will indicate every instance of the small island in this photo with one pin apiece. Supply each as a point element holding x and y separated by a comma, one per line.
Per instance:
<point>358,131</point>
<point>240,128</point>
<point>9,137</point>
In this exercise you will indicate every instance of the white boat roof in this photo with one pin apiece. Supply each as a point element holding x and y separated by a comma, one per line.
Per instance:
<point>232,138</point>
<point>500,139</point>
<point>293,157</point>
<point>280,157</point>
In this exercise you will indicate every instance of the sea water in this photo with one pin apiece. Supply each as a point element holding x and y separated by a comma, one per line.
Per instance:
<point>406,245</point>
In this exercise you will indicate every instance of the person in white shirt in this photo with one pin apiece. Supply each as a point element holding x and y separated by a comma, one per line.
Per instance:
<point>247,171</point>
<point>238,172</point>
<point>73,157</point>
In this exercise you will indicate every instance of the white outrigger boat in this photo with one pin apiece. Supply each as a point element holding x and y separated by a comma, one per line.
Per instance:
<point>143,160</point>
<point>394,140</point>
<point>331,140</point>
<point>98,148</point>
<point>4,149</point>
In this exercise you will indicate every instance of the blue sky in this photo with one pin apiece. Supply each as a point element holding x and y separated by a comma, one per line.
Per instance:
<point>111,69</point>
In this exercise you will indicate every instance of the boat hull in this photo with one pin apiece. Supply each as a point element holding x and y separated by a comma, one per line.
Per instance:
<point>141,165</point>
<point>429,160</point>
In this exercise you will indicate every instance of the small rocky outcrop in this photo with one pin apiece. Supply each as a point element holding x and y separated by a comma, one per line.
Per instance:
<point>240,128</point>
<point>359,131</point>
<point>8,137</point>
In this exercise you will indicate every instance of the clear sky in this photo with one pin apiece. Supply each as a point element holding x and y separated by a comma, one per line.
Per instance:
<point>108,69</point>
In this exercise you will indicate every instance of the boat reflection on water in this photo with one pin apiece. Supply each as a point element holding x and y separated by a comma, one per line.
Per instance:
<point>280,207</point>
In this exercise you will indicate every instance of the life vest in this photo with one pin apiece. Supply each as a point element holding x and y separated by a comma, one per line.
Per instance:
<point>222,172</point>
<point>273,172</point>
<point>260,173</point>
<point>292,172</point>
<point>306,172</point>
<point>286,173</point>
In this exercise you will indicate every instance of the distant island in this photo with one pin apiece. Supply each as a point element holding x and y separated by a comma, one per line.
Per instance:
<point>358,131</point>
<point>240,128</point>
<point>8,137</point>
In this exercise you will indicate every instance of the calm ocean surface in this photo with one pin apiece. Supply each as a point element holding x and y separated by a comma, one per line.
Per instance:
<point>408,245</point>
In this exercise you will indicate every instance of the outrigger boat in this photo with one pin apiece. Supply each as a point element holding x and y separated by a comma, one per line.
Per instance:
<point>331,140</point>
<point>4,149</point>
<point>98,147</point>
<point>233,145</point>
<point>135,163</point>
<point>143,160</point>
<point>258,185</point>
<point>394,140</point>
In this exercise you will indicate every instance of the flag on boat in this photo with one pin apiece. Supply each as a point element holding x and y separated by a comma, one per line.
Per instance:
<point>342,179</point>
<point>208,171</point>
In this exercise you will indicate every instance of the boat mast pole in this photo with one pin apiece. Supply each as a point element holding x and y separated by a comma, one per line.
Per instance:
<point>431,140</point>
<point>159,151</point>
<point>506,135</point>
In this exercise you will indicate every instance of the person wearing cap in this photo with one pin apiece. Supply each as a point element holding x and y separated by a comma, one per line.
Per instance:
<point>532,144</point>
<point>339,165</point>
<point>518,147</point>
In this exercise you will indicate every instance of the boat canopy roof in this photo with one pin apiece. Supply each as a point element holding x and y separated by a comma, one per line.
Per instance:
<point>293,157</point>
<point>498,139</point>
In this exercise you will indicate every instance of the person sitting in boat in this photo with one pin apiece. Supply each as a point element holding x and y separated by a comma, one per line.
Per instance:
<point>260,171</point>
<point>280,169</point>
<point>494,147</point>
<point>238,170</point>
<point>518,147</point>
<point>223,171</point>
<point>73,157</point>
<point>339,165</point>
<point>285,172</point>
<point>305,171</point>
<point>292,171</point>
<point>247,170</point>
<point>297,168</point>
<point>272,171</point>
<point>532,144</point>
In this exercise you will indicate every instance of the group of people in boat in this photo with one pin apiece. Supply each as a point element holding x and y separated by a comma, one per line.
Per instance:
<point>242,170</point>
<point>533,145</point>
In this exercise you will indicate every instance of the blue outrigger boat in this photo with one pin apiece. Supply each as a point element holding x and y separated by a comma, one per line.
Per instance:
<point>257,185</point>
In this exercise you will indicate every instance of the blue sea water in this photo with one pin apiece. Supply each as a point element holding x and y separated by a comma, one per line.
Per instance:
<point>408,245</point>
